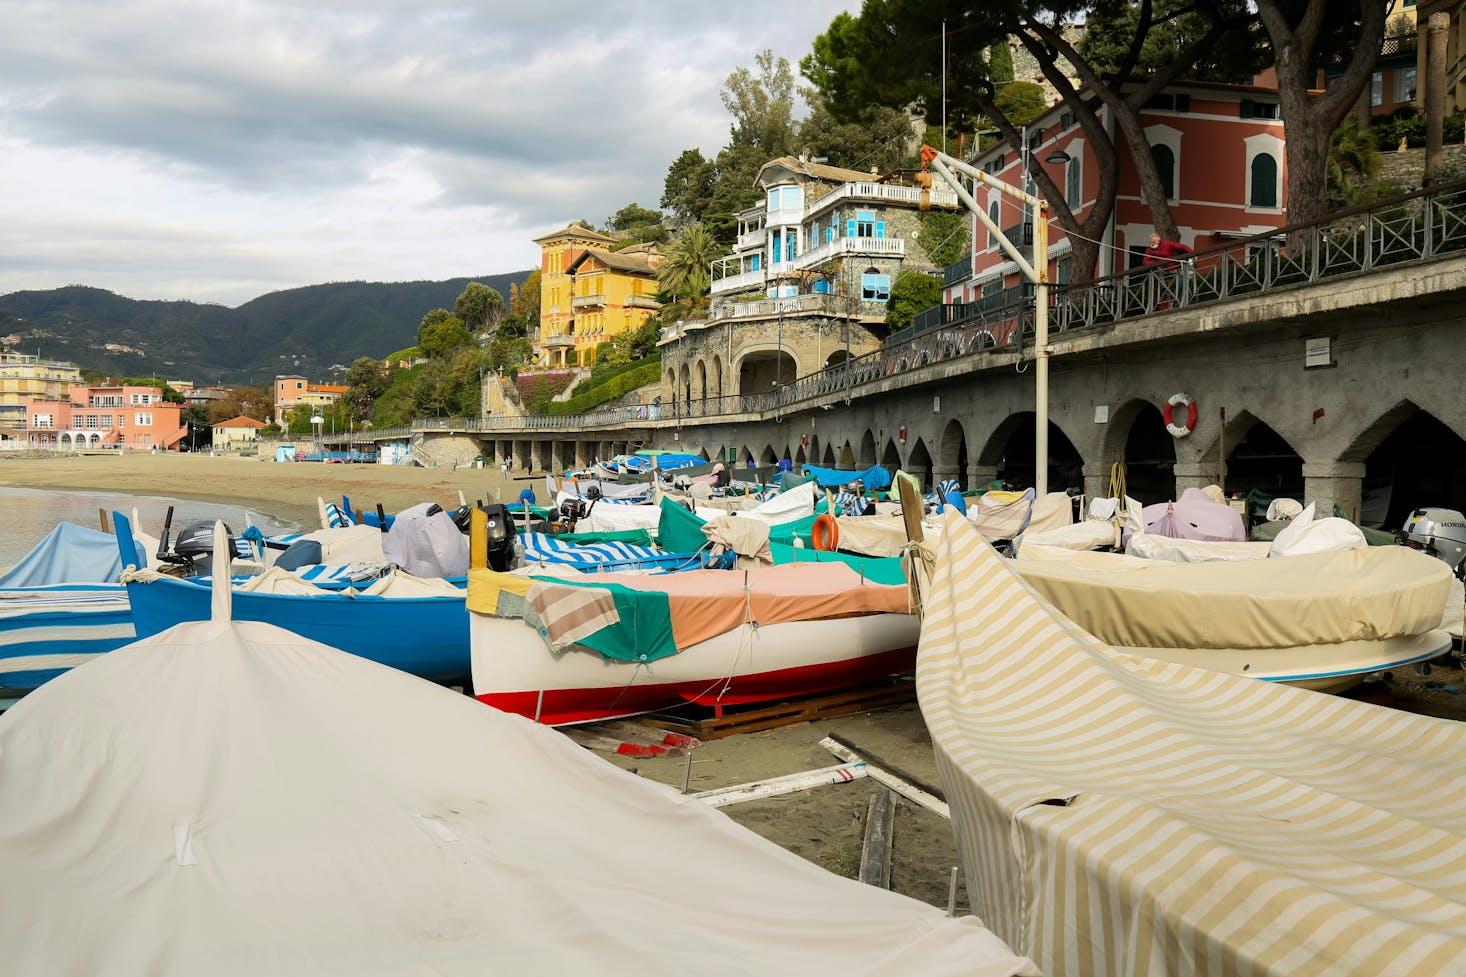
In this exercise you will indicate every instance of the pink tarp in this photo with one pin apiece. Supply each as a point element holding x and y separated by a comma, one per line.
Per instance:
<point>1194,516</point>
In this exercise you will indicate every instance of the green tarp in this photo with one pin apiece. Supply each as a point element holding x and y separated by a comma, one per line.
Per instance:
<point>631,537</point>
<point>644,632</point>
<point>876,569</point>
<point>679,531</point>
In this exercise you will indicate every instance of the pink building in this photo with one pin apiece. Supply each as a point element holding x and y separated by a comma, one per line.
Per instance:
<point>130,418</point>
<point>1220,152</point>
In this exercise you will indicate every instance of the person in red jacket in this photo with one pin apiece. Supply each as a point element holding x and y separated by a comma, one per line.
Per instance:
<point>1164,256</point>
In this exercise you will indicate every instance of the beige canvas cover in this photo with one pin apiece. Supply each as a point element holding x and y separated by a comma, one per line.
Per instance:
<point>1118,816</point>
<point>232,800</point>
<point>1351,595</point>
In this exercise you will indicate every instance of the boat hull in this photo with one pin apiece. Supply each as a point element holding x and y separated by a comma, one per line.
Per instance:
<point>1324,667</point>
<point>45,631</point>
<point>425,636</point>
<point>515,671</point>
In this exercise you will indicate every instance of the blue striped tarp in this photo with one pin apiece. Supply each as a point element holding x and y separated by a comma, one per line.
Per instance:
<point>544,548</point>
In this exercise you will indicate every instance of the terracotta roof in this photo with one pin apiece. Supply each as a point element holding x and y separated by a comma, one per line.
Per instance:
<point>578,230</point>
<point>241,421</point>
<point>818,171</point>
<point>632,263</point>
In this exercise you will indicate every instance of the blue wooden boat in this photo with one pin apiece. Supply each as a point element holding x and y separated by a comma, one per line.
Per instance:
<point>425,636</point>
<point>61,606</point>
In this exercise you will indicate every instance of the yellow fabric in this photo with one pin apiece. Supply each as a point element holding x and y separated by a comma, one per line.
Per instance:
<point>1118,816</point>
<point>484,586</point>
<point>1354,595</point>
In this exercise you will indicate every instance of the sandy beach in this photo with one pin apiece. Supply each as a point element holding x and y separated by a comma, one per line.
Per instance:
<point>824,824</point>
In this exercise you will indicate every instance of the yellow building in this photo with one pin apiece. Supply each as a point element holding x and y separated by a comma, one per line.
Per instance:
<point>24,378</point>
<point>611,292</point>
<point>555,344</point>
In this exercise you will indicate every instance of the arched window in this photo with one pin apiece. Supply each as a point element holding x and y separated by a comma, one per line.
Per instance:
<point>1165,164</point>
<point>1264,181</point>
<point>993,216</point>
<point>1073,184</point>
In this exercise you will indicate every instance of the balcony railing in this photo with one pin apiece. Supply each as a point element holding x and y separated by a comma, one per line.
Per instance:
<point>881,193</point>
<point>595,299</point>
<point>551,342</point>
<point>743,282</point>
<point>771,307</point>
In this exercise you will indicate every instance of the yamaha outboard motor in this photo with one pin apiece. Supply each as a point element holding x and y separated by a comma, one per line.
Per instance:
<point>501,537</point>
<point>195,547</point>
<point>1440,533</point>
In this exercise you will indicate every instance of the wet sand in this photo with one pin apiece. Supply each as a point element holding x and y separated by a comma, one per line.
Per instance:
<point>824,824</point>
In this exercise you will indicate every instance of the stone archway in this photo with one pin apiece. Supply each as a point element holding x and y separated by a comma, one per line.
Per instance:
<point>700,380</point>
<point>919,464</point>
<point>890,456</point>
<point>867,456</point>
<point>717,377</point>
<point>847,456</point>
<point>1410,460</point>
<point>952,455</point>
<point>1137,436</point>
<point>1010,451</point>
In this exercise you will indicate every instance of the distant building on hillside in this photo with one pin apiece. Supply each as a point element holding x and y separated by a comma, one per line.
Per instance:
<point>236,431</point>
<point>202,395</point>
<point>24,378</point>
<point>611,292</point>
<point>292,389</point>
<point>123,417</point>
<point>559,250</point>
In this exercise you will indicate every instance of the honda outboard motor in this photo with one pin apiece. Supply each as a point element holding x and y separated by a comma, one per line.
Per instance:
<point>1440,533</point>
<point>195,547</point>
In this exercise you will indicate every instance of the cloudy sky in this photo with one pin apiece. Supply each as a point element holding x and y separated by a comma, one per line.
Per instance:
<point>215,151</point>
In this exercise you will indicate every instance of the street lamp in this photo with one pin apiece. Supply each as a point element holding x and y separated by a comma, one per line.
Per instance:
<point>1036,271</point>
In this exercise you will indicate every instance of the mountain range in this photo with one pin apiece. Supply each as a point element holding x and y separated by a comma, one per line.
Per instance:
<point>316,331</point>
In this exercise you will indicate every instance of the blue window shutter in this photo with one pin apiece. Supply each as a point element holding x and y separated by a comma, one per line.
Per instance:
<point>850,228</point>
<point>880,228</point>
<point>829,234</point>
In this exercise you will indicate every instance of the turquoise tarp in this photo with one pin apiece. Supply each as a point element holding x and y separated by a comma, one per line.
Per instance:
<point>874,478</point>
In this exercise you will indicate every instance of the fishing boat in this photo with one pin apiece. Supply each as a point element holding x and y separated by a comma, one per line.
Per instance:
<point>1118,814</point>
<point>565,650</point>
<point>60,606</point>
<point>413,624</point>
<point>271,805</point>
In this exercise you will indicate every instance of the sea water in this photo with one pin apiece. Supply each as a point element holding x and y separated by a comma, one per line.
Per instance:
<point>28,514</point>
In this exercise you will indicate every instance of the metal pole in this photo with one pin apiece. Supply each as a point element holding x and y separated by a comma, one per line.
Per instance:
<point>1041,347</point>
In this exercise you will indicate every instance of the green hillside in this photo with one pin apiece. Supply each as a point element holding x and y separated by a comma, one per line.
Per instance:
<point>316,330</point>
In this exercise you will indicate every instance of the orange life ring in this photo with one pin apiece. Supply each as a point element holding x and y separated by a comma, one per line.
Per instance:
<point>825,535</point>
<point>1180,430</point>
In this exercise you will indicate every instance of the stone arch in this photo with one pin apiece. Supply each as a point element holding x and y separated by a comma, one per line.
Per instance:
<point>952,454</point>
<point>700,380</point>
<point>847,456</point>
<point>919,463</point>
<point>1261,459</point>
<point>799,459</point>
<point>684,385</point>
<point>829,457</point>
<point>1137,435</point>
<point>717,377</point>
<point>1010,450</point>
<point>768,457</point>
<point>890,456</point>
<point>867,456</point>
<point>1410,460</point>
<point>814,447</point>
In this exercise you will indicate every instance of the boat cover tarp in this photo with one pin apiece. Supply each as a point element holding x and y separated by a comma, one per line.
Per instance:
<point>544,548</point>
<point>1353,595</point>
<point>1148,546</point>
<point>1089,534</point>
<point>69,554</point>
<point>631,537</point>
<point>263,804</point>
<point>1120,816</point>
<point>426,543</point>
<point>885,570</point>
<point>350,544</point>
<point>873,478</point>
<point>640,618</point>
<point>1305,534</point>
<point>1195,515</point>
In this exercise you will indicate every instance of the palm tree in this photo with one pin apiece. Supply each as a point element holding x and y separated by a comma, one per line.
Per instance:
<point>1353,162</point>
<point>685,272</point>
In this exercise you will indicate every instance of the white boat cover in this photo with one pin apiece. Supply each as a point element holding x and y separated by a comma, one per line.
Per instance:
<point>1125,817</point>
<point>1305,534</point>
<point>232,800</point>
<point>1091,534</point>
<point>426,545</point>
<point>1149,546</point>
<point>1053,510</point>
<point>274,580</point>
<point>881,535</point>
<point>350,544</point>
<point>399,583</point>
<point>1325,598</point>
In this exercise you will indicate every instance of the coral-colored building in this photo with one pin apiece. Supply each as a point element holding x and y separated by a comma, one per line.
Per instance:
<point>1220,151</point>
<point>123,417</point>
<point>292,389</point>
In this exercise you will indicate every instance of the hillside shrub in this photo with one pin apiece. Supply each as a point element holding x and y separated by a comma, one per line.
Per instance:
<point>603,373</point>
<point>538,390</point>
<point>645,372</point>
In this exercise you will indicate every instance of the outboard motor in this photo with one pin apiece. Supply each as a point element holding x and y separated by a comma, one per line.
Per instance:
<point>1441,533</point>
<point>195,547</point>
<point>572,510</point>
